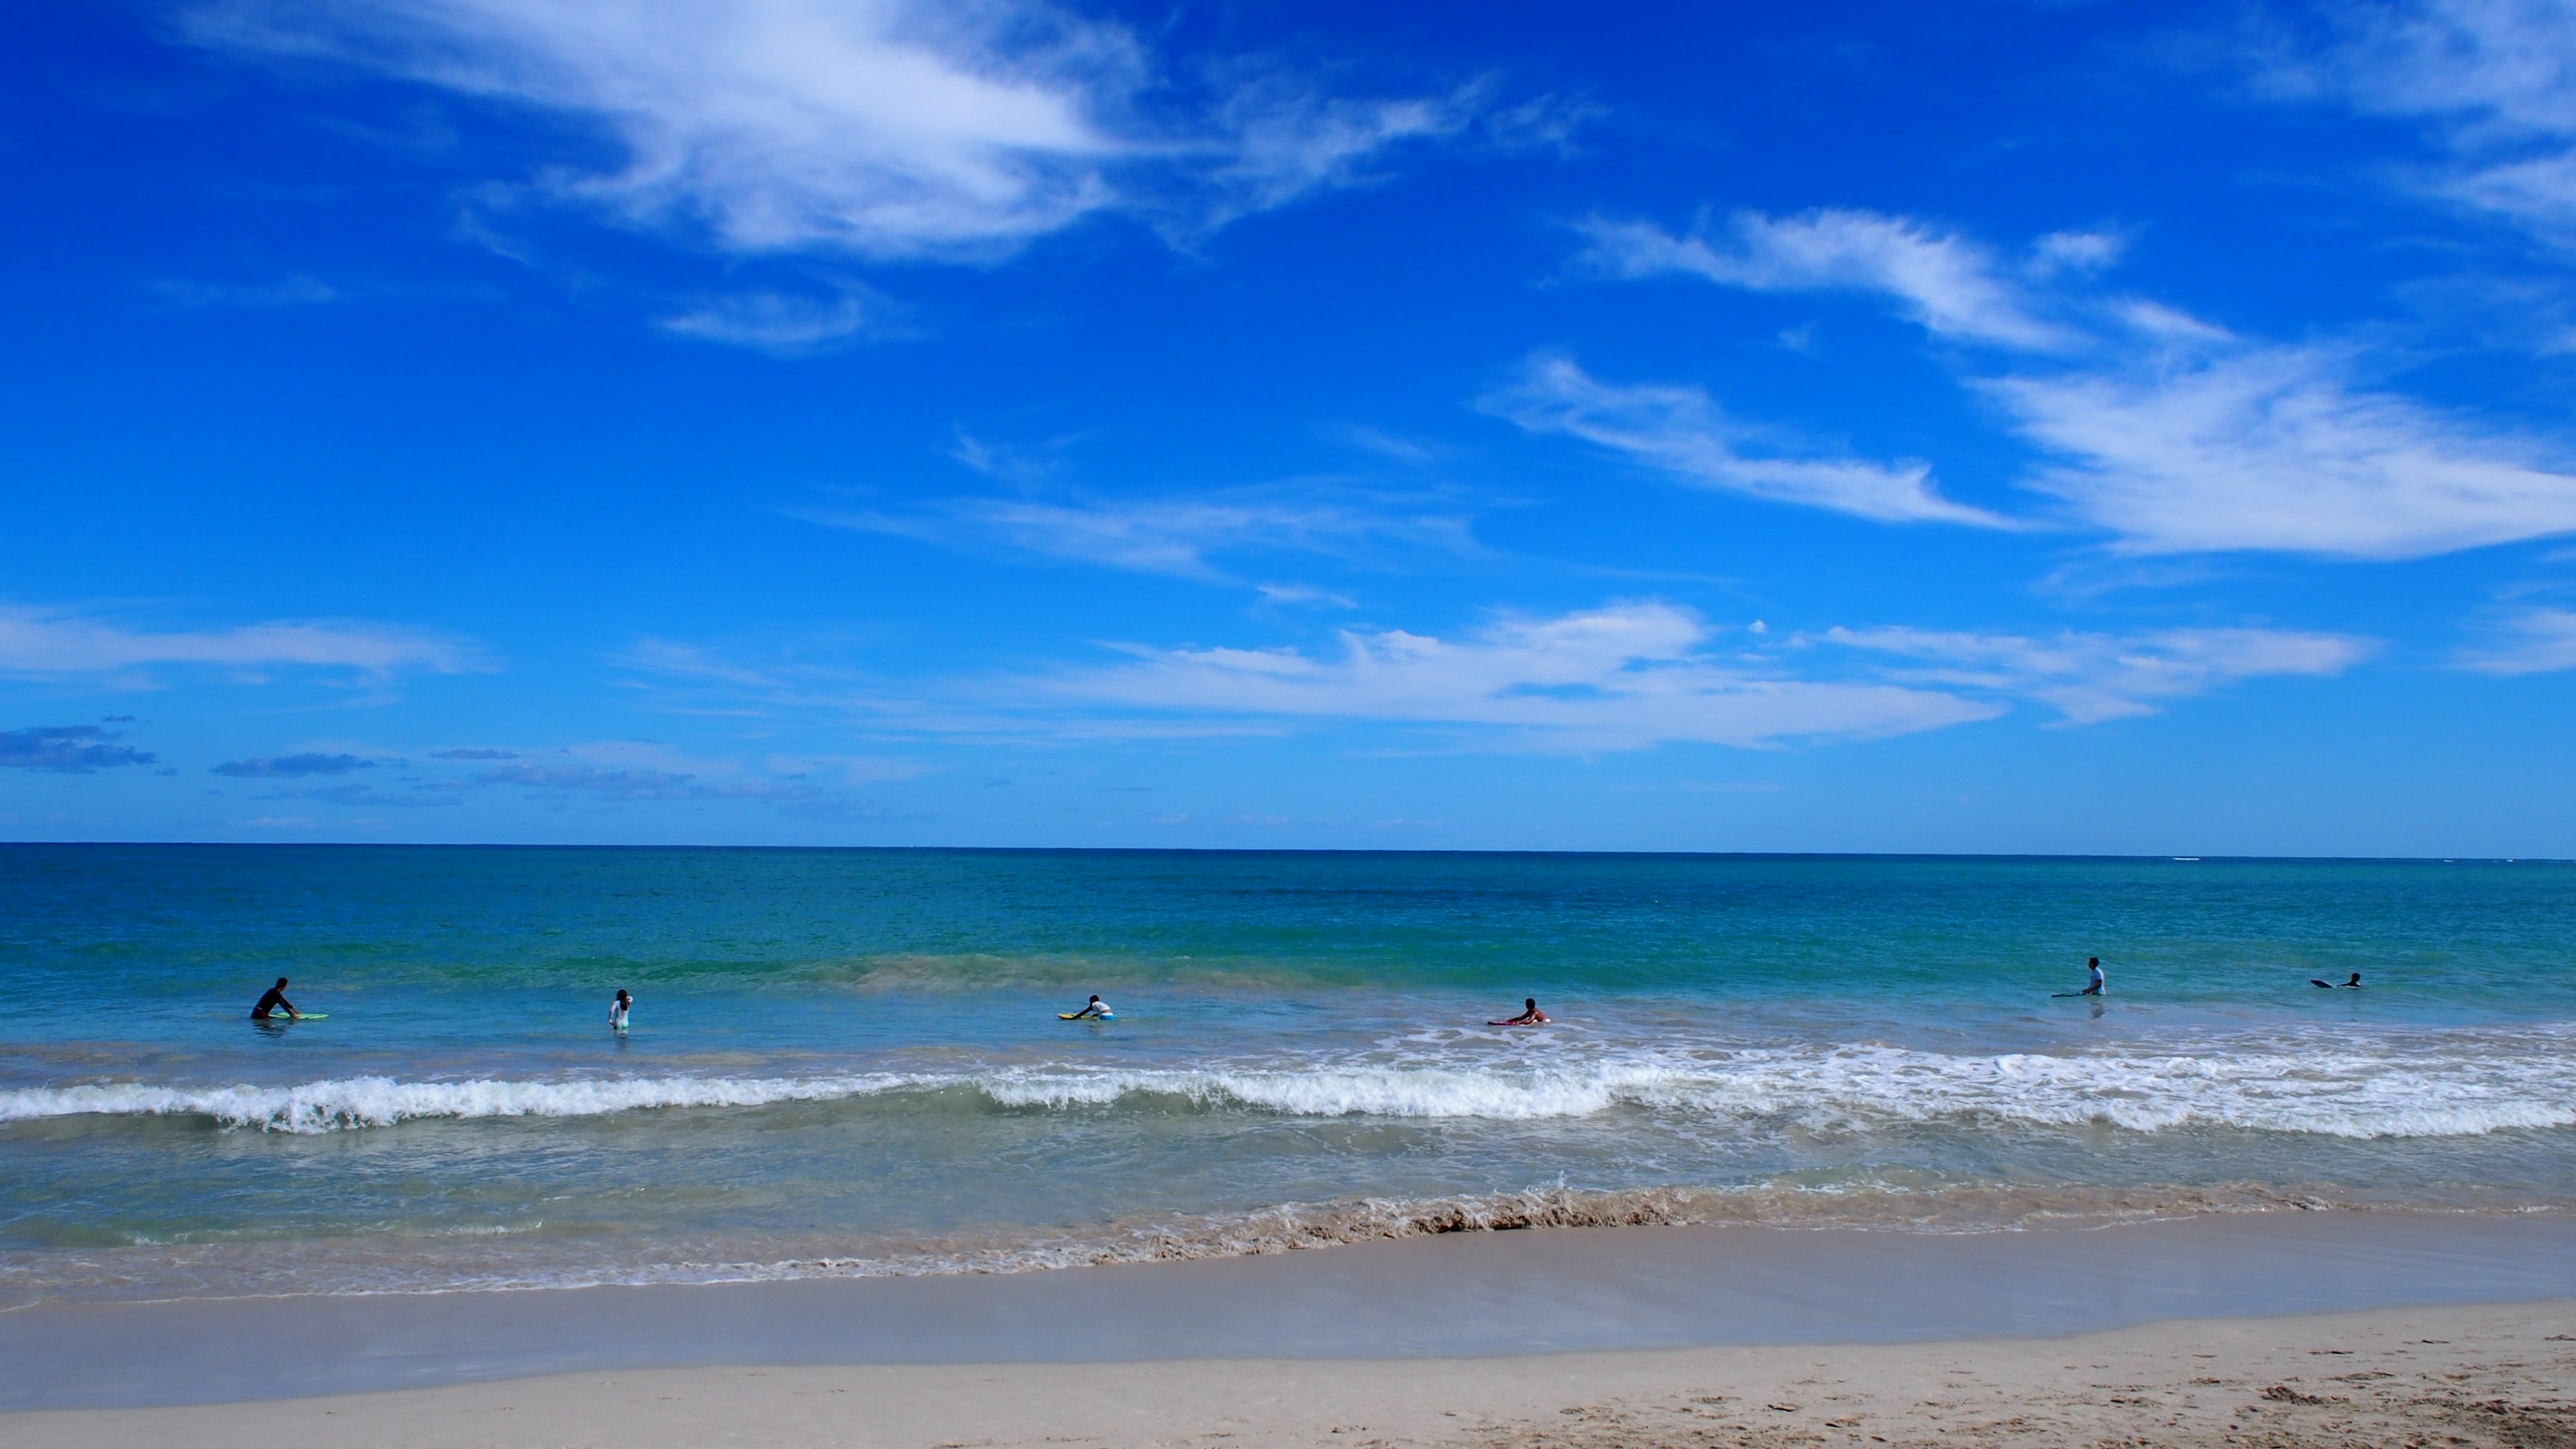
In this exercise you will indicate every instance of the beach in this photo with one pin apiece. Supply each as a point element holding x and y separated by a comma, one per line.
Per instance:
<point>2499,1375</point>
<point>2415,1329</point>
<point>1301,1182</point>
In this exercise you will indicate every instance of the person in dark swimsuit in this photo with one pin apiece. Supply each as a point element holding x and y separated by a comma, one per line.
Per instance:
<point>274,1000</point>
<point>2354,983</point>
<point>1530,1015</point>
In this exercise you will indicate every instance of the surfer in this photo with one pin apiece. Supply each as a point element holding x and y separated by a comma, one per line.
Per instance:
<point>2354,983</point>
<point>2093,987</point>
<point>1530,1015</point>
<point>272,1000</point>
<point>617,1010</point>
<point>1095,1008</point>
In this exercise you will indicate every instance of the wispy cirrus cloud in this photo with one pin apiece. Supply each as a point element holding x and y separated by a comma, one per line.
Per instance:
<point>1180,536</point>
<point>68,750</point>
<point>2223,447</point>
<point>42,642</point>
<point>1681,431</point>
<point>1623,676</point>
<point>781,324</point>
<point>2167,432</point>
<point>1948,283</point>
<point>891,129</point>
<point>2091,677</point>
<point>2527,641</point>
<point>2494,81</point>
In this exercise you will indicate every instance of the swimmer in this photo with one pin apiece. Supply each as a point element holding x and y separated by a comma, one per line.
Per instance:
<point>1095,1009</point>
<point>1530,1015</point>
<point>617,1010</point>
<point>2354,983</point>
<point>2095,987</point>
<point>273,1000</point>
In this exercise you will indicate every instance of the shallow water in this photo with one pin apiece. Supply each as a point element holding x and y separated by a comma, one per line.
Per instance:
<point>849,1062</point>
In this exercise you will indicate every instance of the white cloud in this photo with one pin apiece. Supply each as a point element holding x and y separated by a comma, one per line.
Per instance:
<point>1623,676</point>
<point>882,128</point>
<point>2275,448</point>
<point>2169,432</point>
<point>1175,536</point>
<point>2076,251</point>
<point>2094,677</point>
<point>772,322</point>
<point>57,642</point>
<point>2497,80</point>
<point>1947,283</point>
<point>1682,432</point>
<point>1304,596</point>
<point>2534,641</point>
<point>1282,141</point>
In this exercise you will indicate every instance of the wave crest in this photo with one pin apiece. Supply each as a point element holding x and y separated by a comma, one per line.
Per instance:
<point>2353,1093</point>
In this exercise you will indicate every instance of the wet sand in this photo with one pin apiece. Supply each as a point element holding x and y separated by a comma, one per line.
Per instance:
<point>2482,1377</point>
<point>2282,1329</point>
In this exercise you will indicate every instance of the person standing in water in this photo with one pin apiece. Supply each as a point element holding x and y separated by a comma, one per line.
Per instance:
<point>2094,987</point>
<point>617,1010</point>
<point>274,1000</point>
<point>1530,1015</point>
<point>1095,1009</point>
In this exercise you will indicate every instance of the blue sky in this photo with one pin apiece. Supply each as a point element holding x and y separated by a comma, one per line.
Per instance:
<point>1989,427</point>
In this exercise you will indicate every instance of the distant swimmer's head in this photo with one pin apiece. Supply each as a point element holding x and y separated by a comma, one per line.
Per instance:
<point>281,983</point>
<point>1095,996</point>
<point>2355,981</point>
<point>622,996</point>
<point>2093,961</point>
<point>1531,1002</point>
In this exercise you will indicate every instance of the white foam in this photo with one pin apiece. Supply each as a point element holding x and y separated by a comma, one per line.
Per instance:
<point>326,1106</point>
<point>2458,1085</point>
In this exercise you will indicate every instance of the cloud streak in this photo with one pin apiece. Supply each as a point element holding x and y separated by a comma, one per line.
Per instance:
<point>1624,676</point>
<point>2533,641</point>
<point>1680,431</point>
<point>2275,448</point>
<point>2089,678</point>
<point>43,642</point>
<point>2169,433</point>
<point>1944,282</point>
<point>1177,536</point>
<point>2495,81</point>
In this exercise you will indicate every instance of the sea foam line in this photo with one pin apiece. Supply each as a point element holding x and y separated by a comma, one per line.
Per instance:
<point>345,1102</point>
<point>2345,1093</point>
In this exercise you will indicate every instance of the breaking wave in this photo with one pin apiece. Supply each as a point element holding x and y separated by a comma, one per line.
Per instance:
<point>2444,1088</point>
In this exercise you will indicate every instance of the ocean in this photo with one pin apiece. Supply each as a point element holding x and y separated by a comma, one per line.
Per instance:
<point>848,1062</point>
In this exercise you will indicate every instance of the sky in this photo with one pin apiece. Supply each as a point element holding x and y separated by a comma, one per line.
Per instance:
<point>1993,427</point>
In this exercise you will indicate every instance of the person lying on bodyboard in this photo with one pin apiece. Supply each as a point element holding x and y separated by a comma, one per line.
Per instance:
<point>2354,983</point>
<point>1530,1016</point>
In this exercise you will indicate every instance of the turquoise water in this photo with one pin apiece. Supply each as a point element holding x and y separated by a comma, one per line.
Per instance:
<point>849,1062</point>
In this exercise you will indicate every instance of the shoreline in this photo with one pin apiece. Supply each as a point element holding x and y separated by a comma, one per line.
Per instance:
<point>2485,1377</point>
<point>1455,1296</point>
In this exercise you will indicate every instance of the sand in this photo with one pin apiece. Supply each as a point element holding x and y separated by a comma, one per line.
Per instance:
<point>2488,1375</point>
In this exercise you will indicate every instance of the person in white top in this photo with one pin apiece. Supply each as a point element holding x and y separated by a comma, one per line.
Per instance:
<point>1095,1007</point>
<point>617,1010</point>
<point>2095,989</point>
